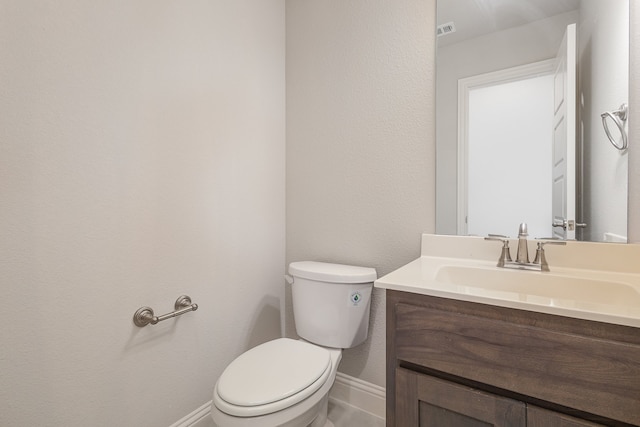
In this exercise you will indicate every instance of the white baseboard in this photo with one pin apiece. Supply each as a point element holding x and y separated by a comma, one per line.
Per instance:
<point>198,418</point>
<point>363,395</point>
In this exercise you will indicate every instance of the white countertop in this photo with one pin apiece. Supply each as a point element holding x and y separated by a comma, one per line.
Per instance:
<point>608,291</point>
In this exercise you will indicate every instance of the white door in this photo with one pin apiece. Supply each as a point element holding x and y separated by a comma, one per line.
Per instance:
<point>509,150</point>
<point>564,139</point>
<point>505,128</point>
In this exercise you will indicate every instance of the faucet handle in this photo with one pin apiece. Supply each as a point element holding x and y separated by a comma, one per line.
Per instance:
<point>499,237</point>
<point>505,255</point>
<point>540,258</point>
<point>549,241</point>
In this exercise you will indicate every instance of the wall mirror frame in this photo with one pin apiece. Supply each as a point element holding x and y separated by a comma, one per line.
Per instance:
<point>498,37</point>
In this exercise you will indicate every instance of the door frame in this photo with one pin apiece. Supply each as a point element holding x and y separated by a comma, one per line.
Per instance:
<point>564,207</point>
<point>465,85</point>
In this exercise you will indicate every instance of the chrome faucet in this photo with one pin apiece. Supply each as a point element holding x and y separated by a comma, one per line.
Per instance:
<point>522,256</point>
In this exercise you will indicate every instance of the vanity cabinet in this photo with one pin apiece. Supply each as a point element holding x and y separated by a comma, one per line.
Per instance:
<point>458,363</point>
<point>538,417</point>
<point>426,401</point>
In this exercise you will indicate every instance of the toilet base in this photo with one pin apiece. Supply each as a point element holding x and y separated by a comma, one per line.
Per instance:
<point>323,410</point>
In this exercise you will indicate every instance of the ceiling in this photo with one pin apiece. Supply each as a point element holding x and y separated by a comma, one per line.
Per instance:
<point>473,18</point>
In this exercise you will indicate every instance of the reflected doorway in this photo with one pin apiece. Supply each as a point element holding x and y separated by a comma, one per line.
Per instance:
<point>496,128</point>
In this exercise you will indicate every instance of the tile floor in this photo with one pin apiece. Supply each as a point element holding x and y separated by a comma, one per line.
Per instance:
<point>345,415</point>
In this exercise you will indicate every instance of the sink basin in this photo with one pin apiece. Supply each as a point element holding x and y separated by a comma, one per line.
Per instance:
<point>590,281</point>
<point>531,283</point>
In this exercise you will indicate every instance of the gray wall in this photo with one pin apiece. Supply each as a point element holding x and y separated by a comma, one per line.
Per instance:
<point>142,150</point>
<point>360,142</point>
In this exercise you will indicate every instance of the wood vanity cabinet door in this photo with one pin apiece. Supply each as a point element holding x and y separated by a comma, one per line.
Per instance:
<point>425,401</point>
<point>538,417</point>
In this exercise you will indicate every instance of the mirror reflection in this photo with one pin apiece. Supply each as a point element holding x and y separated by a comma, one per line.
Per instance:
<point>530,118</point>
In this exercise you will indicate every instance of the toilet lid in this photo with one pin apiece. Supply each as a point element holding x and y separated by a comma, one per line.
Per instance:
<point>274,371</point>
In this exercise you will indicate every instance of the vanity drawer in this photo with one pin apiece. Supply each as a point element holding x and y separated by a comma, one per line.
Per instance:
<point>508,349</point>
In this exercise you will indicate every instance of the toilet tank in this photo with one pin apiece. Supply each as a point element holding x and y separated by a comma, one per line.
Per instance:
<point>331,302</point>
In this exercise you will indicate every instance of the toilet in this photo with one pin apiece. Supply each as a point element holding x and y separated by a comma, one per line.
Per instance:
<point>286,382</point>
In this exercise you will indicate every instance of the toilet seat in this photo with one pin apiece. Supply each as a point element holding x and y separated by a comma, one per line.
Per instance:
<point>271,377</point>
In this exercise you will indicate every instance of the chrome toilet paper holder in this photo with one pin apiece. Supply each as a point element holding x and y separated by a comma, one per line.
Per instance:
<point>144,315</point>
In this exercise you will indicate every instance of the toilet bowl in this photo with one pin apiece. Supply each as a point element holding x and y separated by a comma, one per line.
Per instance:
<point>286,382</point>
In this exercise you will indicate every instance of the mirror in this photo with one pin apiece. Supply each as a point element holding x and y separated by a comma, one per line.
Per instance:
<point>504,106</point>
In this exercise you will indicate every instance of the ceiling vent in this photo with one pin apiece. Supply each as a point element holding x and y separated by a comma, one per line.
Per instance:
<point>445,29</point>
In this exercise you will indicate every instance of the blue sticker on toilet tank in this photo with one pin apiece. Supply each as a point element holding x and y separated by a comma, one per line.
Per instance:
<point>356,297</point>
